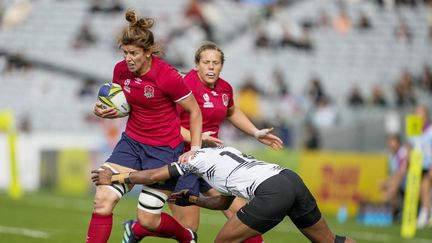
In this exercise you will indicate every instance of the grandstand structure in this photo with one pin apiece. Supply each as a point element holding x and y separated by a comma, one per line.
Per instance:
<point>47,92</point>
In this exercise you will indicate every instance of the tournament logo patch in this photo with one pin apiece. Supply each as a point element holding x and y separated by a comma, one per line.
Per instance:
<point>126,85</point>
<point>148,91</point>
<point>127,82</point>
<point>225,99</point>
<point>207,103</point>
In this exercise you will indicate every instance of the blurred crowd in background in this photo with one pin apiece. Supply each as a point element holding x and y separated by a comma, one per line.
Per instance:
<point>270,101</point>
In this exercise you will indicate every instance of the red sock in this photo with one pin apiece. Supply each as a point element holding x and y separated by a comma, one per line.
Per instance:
<point>141,232</point>
<point>173,229</point>
<point>99,228</point>
<point>255,239</point>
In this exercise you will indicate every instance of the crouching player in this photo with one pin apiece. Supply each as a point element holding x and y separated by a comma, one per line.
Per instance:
<point>233,173</point>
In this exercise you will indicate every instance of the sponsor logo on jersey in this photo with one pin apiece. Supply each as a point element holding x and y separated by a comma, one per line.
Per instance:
<point>138,80</point>
<point>148,91</point>
<point>207,103</point>
<point>214,93</point>
<point>225,99</point>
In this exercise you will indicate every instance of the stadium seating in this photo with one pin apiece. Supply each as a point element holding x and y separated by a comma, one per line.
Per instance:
<point>364,58</point>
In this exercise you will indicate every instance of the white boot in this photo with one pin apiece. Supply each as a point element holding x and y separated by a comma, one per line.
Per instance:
<point>423,218</point>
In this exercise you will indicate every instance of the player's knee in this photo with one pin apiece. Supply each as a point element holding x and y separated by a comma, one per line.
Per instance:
<point>224,238</point>
<point>228,213</point>
<point>219,239</point>
<point>235,206</point>
<point>149,221</point>
<point>188,217</point>
<point>190,223</point>
<point>104,202</point>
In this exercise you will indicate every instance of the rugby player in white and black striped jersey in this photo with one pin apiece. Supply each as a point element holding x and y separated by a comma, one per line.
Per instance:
<point>272,192</point>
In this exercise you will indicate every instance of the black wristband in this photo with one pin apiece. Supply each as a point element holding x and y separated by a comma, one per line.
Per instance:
<point>339,239</point>
<point>127,179</point>
<point>173,170</point>
<point>185,199</point>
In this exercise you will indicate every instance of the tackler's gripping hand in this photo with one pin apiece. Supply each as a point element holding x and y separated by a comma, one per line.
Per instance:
<point>183,198</point>
<point>102,176</point>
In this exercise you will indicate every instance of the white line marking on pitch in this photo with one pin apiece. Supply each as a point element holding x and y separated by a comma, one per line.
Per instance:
<point>24,231</point>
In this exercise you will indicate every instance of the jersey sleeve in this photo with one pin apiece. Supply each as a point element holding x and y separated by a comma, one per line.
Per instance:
<point>230,97</point>
<point>117,73</point>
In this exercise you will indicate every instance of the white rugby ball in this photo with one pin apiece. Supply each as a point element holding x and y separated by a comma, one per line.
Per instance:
<point>111,95</point>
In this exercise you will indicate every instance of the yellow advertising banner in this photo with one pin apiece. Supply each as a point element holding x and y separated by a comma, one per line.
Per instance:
<point>73,171</point>
<point>343,179</point>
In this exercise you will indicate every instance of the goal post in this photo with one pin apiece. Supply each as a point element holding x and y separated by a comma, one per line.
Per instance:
<point>7,127</point>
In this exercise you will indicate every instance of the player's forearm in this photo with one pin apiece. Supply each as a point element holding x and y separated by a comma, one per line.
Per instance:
<point>186,134</point>
<point>214,203</point>
<point>145,177</point>
<point>195,127</point>
<point>242,122</point>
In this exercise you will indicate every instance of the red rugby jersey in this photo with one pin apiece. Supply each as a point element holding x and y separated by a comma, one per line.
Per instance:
<point>153,119</point>
<point>213,102</point>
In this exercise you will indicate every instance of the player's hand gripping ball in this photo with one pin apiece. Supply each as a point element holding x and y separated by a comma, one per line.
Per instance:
<point>111,95</point>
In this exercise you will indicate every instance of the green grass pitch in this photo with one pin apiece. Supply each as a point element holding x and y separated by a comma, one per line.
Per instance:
<point>48,217</point>
<point>51,218</point>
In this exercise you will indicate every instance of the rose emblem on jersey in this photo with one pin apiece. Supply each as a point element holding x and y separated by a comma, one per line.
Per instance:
<point>225,99</point>
<point>148,91</point>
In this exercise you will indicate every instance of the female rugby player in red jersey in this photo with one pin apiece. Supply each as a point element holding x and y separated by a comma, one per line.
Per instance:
<point>215,98</point>
<point>152,137</point>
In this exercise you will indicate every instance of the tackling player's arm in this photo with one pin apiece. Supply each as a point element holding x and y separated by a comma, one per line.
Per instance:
<point>185,198</point>
<point>105,176</point>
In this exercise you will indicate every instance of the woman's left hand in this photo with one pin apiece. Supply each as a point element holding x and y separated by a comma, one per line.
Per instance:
<point>265,137</point>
